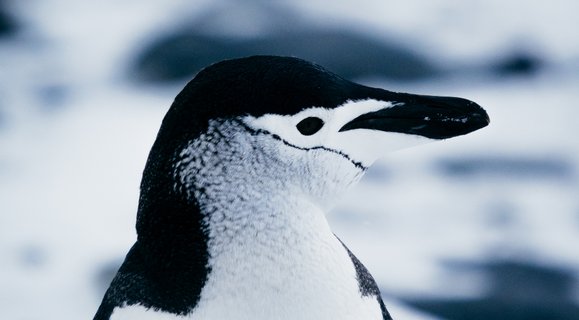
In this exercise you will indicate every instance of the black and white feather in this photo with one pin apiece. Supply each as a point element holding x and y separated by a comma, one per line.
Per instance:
<point>249,158</point>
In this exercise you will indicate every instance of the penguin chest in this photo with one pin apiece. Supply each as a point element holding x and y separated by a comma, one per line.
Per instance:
<point>261,282</point>
<point>284,264</point>
<point>283,271</point>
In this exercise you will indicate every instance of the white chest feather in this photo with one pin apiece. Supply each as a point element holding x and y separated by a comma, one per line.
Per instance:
<point>287,270</point>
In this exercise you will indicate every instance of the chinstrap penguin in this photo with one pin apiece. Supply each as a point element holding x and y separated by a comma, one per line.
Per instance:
<point>251,155</point>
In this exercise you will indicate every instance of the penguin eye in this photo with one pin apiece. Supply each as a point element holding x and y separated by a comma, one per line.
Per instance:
<point>310,125</point>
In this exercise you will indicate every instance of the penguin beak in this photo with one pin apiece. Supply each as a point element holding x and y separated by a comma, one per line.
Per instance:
<point>427,116</point>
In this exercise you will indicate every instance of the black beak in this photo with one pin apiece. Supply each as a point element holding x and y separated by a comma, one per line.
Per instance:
<point>428,116</point>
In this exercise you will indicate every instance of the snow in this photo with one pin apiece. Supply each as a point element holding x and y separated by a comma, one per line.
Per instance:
<point>74,136</point>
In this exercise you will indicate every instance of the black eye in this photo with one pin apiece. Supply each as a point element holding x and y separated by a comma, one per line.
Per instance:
<point>310,125</point>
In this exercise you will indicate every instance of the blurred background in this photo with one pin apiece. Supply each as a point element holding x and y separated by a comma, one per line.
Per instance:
<point>484,226</point>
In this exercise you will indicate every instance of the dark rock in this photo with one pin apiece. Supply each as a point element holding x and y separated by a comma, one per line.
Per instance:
<point>181,56</point>
<point>485,309</point>
<point>347,54</point>
<point>529,283</point>
<point>518,291</point>
<point>508,167</point>
<point>214,36</point>
<point>7,22</point>
<point>518,64</point>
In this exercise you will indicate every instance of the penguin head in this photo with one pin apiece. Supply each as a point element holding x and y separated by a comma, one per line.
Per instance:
<point>317,130</point>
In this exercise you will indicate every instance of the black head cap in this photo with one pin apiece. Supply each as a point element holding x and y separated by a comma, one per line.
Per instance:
<point>258,85</point>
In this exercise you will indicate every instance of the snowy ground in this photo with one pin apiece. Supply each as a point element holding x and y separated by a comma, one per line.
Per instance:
<point>74,136</point>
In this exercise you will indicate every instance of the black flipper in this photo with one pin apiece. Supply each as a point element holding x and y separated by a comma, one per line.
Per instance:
<point>366,282</point>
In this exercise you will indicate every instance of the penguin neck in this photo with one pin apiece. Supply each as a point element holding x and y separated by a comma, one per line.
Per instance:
<point>246,180</point>
<point>242,188</point>
<point>275,256</point>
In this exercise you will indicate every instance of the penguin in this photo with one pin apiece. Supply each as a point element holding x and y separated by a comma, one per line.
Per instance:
<point>249,158</point>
